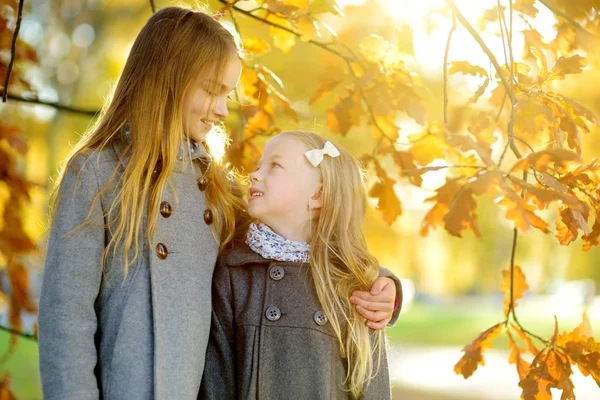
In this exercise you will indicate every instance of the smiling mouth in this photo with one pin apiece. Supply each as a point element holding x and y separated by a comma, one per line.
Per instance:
<point>255,194</point>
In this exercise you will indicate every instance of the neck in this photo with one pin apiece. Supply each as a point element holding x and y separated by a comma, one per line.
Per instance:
<point>297,232</point>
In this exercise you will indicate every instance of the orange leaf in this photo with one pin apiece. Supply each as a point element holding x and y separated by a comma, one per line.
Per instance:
<point>541,160</point>
<point>428,148</point>
<point>466,69</point>
<point>443,199</point>
<point>568,65</point>
<point>383,190</point>
<point>521,213</point>
<point>519,287</point>
<point>256,46</point>
<point>515,357</point>
<point>473,356</point>
<point>532,349</point>
<point>345,114</point>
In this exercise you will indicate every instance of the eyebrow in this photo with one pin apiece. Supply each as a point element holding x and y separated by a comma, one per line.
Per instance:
<point>276,156</point>
<point>223,86</point>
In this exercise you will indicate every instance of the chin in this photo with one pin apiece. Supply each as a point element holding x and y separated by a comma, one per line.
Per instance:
<point>198,135</point>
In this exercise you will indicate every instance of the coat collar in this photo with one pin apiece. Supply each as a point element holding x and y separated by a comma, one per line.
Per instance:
<point>188,149</point>
<point>243,255</point>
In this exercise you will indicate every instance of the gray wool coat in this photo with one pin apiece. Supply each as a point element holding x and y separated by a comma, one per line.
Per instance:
<point>270,339</point>
<point>143,337</point>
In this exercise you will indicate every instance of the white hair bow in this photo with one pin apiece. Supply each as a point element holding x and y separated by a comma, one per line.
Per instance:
<point>316,156</point>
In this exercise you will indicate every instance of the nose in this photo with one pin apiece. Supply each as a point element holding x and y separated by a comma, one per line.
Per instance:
<point>254,177</point>
<point>221,107</point>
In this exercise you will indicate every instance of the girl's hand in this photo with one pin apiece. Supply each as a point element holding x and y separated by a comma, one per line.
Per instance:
<point>377,305</point>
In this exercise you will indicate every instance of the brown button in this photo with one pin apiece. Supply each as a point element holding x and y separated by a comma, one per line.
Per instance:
<point>208,217</point>
<point>165,209</point>
<point>161,251</point>
<point>202,183</point>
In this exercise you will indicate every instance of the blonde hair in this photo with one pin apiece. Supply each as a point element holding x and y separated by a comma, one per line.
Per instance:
<point>340,261</point>
<point>174,47</point>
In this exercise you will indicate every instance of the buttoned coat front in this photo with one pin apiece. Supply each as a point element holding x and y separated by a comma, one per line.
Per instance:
<point>269,337</point>
<point>139,337</point>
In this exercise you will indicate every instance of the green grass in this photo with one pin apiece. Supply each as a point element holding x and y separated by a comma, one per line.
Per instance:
<point>455,323</point>
<point>459,324</point>
<point>22,365</point>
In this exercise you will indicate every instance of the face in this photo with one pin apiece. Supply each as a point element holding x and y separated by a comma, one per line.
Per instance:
<point>283,187</point>
<point>202,107</point>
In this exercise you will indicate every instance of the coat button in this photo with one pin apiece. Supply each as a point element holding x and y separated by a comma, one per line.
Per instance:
<point>202,183</point>
<point>276,273</point>
<point>161,251</point>
<point>208,217</point>
<point>273,313</point>
<point>165,209</point>
<point>320,318</point>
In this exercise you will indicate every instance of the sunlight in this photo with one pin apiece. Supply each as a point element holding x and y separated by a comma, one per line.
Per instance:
<point>431,21</point>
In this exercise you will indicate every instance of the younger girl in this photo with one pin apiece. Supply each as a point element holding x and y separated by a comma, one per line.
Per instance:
<point>282,323</point>
<point>141,212</point>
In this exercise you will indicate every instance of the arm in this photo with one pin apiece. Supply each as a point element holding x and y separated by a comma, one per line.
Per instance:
<point>381,306</point>
<point>218,380</point>
<point>67,320</point>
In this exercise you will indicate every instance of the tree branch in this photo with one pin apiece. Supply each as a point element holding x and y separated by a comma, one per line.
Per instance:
<point>13,50</point>
<point>565,16</point>
<point>267,22</point>
<point>18,333</point>
<point>446,52</point>
<point>58,106</point>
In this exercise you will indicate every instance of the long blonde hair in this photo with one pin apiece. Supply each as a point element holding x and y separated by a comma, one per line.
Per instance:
<point>340,261</point>
<point>174,47</point>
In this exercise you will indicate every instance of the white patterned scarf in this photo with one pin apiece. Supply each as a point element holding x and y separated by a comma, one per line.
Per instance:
<point>262,240</point>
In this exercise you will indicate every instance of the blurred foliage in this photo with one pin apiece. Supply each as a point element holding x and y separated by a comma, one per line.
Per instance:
<point>473,116</point>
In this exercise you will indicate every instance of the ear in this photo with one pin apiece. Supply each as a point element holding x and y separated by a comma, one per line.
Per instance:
<point>316,201</point>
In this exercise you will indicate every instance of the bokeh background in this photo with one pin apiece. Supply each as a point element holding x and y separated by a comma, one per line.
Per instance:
<point>450,284</point>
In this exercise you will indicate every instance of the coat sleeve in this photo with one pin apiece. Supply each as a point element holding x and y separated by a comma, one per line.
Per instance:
<point>389,274</point>
<point>67,320</point>
<point>218,380</point>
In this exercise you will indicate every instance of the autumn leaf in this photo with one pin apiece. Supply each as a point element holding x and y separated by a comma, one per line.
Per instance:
<point>568,65</point>
<point>435,217</point>
<point>592,239</point>
<point>473,356</point>
<point>466,69</point>
<point>326,87</point>
<point>532,115</point>
<point>549,369</point>
<point>307,27</point>
<point>283,40</point>
<point>519,286</point>
<point>525,337</point>
<point>383,190</point>
<point>256,46</point>
<point>428,148</point>
<point>520,212</point>
<point>515,357</point>
<point>541,160</point>
<point>345,114</point>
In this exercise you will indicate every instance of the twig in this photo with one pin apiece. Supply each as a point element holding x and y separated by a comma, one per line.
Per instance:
<point>153,6</point>
<point>18,333</point>
<point>58,106</point>
<point>267,22</point>
<point>565,16</point>
<point>13,50</point>
<point>446,52</point>
<point>461,18</point>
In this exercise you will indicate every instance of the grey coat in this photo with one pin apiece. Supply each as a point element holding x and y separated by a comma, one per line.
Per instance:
<point>139,338</point>
<point>269,338</point>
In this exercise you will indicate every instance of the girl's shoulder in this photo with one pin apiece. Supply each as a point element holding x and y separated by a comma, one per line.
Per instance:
<point>91,161</point>
<point>241,255</point>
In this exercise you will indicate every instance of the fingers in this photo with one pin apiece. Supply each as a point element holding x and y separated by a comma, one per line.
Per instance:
<point>373,316</point>
<point>379,325</point>
<point>379,285</point>
<point>382,302</point>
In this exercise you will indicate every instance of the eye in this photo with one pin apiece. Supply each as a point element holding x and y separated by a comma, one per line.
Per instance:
<point>274,164</point>
<point>210,92</point>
